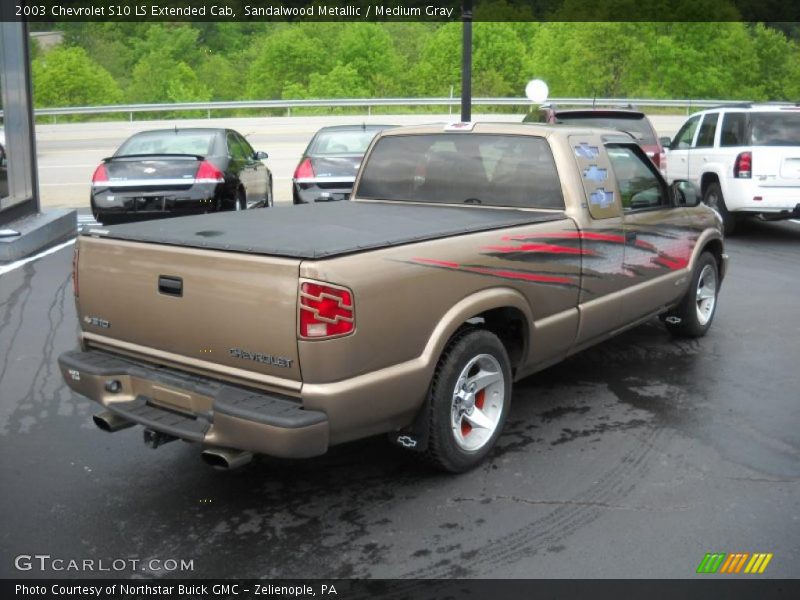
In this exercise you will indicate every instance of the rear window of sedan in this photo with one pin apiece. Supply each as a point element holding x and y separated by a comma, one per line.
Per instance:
<point>342,142</point>
<point>633,124</point>
<point>168,142</point>
<point>463,168</point>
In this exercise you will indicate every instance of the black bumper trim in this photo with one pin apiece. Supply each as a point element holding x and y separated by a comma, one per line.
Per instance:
<point>260,407</point>
<point>166,421</point>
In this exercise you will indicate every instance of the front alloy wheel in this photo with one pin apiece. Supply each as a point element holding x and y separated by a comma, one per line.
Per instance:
<point>706,294</point>
<point>695,313</point>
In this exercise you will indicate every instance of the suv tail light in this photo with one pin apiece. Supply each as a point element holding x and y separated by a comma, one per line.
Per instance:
<point>208,173</point>
<point>743,167</point>
<point>75,269</point>
<point>304,170</point>
<point>100,174</point>
<point>326,311</point>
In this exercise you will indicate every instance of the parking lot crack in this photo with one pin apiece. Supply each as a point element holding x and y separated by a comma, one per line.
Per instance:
<point>603,505</point>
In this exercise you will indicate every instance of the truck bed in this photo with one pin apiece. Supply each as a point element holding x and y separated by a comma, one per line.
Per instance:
<point>323,229</point>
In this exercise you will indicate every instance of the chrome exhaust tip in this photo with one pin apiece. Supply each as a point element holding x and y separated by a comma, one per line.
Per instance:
<point>110,422</point>
<point>225,458</point>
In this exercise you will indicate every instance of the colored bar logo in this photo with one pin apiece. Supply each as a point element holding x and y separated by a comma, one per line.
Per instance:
<point>733,563</point>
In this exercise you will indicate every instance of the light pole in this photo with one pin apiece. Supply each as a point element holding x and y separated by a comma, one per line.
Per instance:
<point>466,61</point>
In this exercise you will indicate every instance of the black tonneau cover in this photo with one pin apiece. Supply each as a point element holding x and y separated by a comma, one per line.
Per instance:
<point>322,229</point>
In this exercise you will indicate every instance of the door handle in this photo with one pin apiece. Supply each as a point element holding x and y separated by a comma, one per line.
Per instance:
<point>171,286</point>
<point>630,237</point>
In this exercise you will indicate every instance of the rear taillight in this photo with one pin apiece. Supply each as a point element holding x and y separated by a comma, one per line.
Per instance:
<point>304,170</point>
<point>75,270</point>
<point>662,162</point>
<point>100,174</point>
<point>208,173</point>
<point>326,311</point>
<point>743,167</point>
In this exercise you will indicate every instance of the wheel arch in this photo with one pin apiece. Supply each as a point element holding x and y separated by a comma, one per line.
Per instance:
<point>710,241</point>
<point>503,311</point>
<point>706,179</point>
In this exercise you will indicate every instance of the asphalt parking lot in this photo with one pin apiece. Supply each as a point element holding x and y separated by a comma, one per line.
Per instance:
<point>631,459</point>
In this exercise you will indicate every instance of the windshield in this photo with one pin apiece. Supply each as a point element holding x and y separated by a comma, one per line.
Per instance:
<point>342,141</point>
<point>635,124</point>
<point>463,168</point>
<point>775,129</point>
<point>168,142</point>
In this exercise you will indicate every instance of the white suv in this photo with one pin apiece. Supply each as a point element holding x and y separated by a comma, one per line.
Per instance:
<point>745,158</point>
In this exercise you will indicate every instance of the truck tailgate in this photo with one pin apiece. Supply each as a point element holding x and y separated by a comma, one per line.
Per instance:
<point>219,312</point>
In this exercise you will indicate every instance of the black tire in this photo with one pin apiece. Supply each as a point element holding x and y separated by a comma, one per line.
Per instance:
<point>444,450</point>
<point>713,197</point>
<point>685,320</point>
<point>239,202</point>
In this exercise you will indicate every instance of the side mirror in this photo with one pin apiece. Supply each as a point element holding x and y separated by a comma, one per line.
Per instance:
<point>684,193</point>
<point>261,155</point>
<point>665,142</point>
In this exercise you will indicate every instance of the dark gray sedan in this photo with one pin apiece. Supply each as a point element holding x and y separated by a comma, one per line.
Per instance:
<point>329,164</point>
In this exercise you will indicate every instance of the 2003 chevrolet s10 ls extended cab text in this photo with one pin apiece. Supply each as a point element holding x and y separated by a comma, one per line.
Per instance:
<point>471,255</point>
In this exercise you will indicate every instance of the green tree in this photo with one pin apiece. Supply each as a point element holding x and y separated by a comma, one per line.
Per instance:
<point>369,53</point>
<point>157,78</point>
<point>342,81</point>
<point>66,76</point>
<point>288,56</point>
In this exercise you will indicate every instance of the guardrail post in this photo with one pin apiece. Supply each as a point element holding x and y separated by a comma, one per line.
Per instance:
<point>131,116</point>
<point>208,114</point>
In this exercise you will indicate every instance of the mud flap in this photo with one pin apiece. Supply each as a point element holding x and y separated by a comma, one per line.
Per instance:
<point>414,437</point>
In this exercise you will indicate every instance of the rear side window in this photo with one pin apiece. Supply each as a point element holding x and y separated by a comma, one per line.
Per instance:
<point>734,127</point>
<point>463,168</point>
<point>708,129</point>
<point>235,148</point>
<point>775,128</point>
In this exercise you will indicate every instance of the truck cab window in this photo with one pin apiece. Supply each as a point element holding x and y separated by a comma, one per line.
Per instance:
<point>639,187</point>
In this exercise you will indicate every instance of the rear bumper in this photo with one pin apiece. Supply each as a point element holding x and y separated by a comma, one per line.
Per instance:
<point>746,195</point>
<point>307,191</point>
<point>199,198</point>
<point>197,409</point>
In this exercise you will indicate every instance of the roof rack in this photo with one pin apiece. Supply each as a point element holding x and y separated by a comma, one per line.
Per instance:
<point>753,104</point>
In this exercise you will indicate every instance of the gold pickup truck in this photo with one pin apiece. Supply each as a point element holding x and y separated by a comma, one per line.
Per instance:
<point>470,256</point>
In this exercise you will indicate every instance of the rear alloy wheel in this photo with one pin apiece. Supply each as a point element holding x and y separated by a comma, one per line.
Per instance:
<point>468,401</point>
<point>239,203</point>
<point>713,198</point>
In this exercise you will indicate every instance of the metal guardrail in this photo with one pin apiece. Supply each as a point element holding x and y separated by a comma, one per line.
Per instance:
<point>368,103</point>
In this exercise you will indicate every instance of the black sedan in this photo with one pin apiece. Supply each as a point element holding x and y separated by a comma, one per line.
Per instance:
<point>172,172</point>
<point>329,164</point>
<point>3,167</point>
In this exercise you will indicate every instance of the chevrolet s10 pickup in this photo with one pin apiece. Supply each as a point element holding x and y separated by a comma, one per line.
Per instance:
<point>470,256</point>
